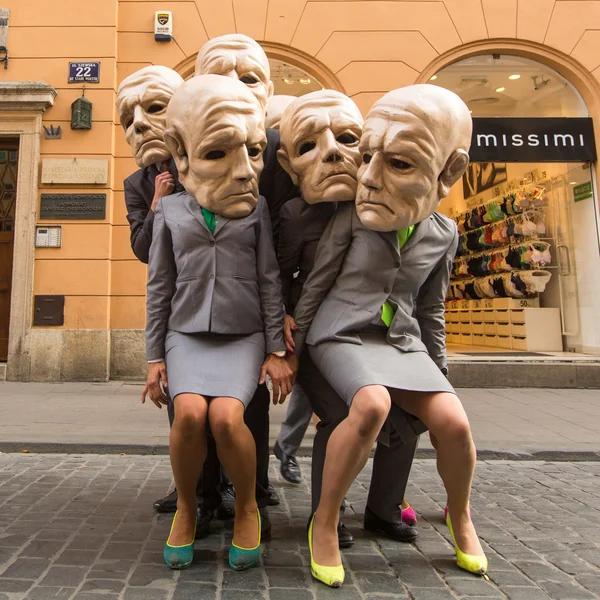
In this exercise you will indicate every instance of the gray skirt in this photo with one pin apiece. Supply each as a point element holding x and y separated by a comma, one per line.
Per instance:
<point>349,367</point>
<point>214,365</point>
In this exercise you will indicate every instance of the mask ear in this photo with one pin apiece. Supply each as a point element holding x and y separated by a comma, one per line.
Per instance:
<point>455,167</point>
<point>270,92</point>
<point>176,147</point>
<point>284,161</point>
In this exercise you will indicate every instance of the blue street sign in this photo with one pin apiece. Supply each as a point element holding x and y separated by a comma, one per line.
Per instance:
<point>84,72</point>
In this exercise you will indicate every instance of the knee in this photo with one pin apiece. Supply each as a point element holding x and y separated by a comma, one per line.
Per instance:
<point>370,408</point>
<point>223,424</point>
<point>189,419</point>
<point>458,429</point>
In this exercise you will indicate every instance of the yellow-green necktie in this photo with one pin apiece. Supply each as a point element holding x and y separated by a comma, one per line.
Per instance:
<point>387,312</point>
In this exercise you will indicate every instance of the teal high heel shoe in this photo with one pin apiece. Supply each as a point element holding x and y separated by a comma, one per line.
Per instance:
<point>179,557</point>
<point>240,558</point>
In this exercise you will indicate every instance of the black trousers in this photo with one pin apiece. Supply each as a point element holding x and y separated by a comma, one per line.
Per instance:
<point>213,478</point>
<point>393,457</point>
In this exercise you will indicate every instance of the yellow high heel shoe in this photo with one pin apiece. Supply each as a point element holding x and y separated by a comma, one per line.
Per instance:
<point>474,563</point>
<point>331,576</point>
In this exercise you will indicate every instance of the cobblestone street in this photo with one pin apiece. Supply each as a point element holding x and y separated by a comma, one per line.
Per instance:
<point>83,527</point>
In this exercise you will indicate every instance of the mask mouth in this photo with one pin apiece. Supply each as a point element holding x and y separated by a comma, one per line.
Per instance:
<point>339,171</point>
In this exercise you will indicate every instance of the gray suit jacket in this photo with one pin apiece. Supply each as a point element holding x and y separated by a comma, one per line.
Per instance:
<point>226,283</point>
<point>357,270</point>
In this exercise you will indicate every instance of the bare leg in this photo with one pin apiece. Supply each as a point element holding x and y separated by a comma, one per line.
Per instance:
<point>444,416</point>
<point>237,453</point>
<point>347,453</point>
<point>187,449</point>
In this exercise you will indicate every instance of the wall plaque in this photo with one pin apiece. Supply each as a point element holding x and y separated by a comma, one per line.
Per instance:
<point>73,206</point>
<point>75,170</point>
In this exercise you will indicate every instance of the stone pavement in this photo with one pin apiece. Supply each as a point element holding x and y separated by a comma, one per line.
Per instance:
<point>82,527</point>
<point>108,417</point>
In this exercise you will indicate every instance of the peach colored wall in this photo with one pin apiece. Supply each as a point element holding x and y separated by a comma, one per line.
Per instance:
<point>366,47</point>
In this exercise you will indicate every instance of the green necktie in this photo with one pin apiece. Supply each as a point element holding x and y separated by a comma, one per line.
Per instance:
<point>387,312</point>
<point>210,218</point>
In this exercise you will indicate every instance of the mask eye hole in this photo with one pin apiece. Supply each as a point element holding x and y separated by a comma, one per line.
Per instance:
<point>155,108</point>
<point>248,79</point>
<point>214,155</point>
<point>253,152</point>
<point>347,139</point>
<point>128,123</point>
<point>367,158</point>
<point>306,147</point>
<point>400,164</point>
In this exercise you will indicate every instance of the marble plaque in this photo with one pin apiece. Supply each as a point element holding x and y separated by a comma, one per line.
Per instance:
<point>75,170</point>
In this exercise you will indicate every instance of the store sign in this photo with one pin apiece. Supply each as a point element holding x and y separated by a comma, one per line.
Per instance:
<point>73,206</point>
<point>533,140</point>
<point>582,191</point>
<point>75,170</point>
<point>84,72</point>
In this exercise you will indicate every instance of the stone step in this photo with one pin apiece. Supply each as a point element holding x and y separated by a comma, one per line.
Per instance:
<point>515,374</point>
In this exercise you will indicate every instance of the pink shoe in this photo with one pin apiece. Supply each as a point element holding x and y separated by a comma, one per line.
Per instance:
<point>409,516</point>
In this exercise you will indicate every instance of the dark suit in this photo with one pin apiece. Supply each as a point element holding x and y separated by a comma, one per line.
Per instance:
<point>277,188</point>
<point>302,227</point>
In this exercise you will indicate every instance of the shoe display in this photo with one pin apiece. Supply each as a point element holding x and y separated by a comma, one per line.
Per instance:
<point>204,517</point>
<point>226,510</point>
<point>168,504</point>
<point>409,516</point>
<point>240,558</point>
<point>178,557</point>
<point>274,496</point>
<point>474,563</point>
<point>400,532</point>
<point>289,468</point>
<point>345,538</point>
<point>331,576</point>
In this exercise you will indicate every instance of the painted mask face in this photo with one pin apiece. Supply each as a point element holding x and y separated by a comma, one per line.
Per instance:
<point>275,110</point>
<point>216,135</point>
<point>414,148</point>
<point>320,133</point>
<point>239,57</point>
<point>142,101</point>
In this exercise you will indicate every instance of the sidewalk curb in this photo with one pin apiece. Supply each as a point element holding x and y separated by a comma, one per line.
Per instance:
<point>142,449</point>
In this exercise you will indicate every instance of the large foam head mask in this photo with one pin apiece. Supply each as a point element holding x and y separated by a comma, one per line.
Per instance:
<point>216,135</point>
<point>275,109</point>
<point>414,148</point>
<point>320,133</point>
<point>239,57</point>
<point>142,101</point>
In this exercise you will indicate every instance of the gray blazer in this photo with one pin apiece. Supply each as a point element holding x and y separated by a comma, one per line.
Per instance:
<point>226,283</point>
<point>357,270</point>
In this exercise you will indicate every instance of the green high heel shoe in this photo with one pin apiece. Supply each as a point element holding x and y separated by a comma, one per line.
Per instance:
<point>240,558</point>
<point>179,557</point>
<point>474,563</point>
<point>331,576</point>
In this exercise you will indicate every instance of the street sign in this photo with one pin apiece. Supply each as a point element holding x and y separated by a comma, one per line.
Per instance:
<point>84,72</point>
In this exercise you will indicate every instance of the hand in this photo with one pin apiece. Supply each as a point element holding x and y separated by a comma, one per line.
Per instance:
<point>157,372</point>
<point>288,326</point>
<point>294,363</point>
<point>164,184</point>
<point>281,376</point>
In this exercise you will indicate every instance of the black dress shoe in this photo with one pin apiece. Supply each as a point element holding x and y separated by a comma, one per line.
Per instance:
<point>289,468</point>
<point>400,532</point>
<point>345,538</point>
<point>168,504</point>
<point>265,525</point>
<point>204,517</point>
<point>226,510</point>
<point>273,496</point>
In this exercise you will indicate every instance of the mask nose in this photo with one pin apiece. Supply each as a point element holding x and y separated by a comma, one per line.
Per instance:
<point>330,151</point>
<point>139,121</point>
<point>243,168</point>
<point>371,178</point>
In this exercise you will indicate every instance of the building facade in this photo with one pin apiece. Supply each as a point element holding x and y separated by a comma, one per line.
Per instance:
<point>74,308</point>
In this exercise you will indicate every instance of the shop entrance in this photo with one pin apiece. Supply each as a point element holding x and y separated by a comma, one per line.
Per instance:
<point>525,279</point>
<point>8,194</point>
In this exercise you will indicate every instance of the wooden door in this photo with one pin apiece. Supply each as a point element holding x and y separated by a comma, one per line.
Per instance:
<point>8,196</point>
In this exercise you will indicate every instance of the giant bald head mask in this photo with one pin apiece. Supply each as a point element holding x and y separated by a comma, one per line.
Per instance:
<point>142,101</point>
<point>320,133</point>
<point>216,135</point>
<point>239,57</point>
<point>414,148</point>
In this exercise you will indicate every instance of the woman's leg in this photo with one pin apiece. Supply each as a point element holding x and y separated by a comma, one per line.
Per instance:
<point>237,453</point>
<point>187,448</point>
<point>347,453</point>
<point>444,416</point>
